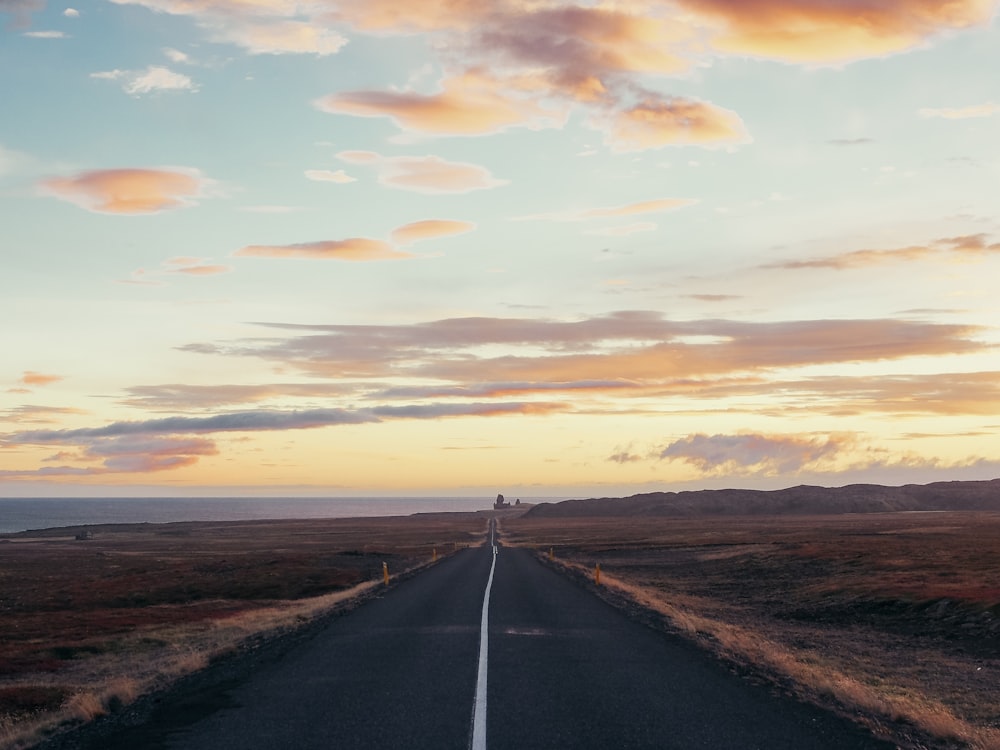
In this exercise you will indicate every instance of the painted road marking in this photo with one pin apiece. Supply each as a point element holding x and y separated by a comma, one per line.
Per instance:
<point>479,713</point>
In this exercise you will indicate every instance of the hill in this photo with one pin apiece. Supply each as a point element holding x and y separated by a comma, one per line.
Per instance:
<point>800,500</point>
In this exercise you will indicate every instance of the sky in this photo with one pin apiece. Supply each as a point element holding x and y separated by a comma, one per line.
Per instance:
<point>451,247</point>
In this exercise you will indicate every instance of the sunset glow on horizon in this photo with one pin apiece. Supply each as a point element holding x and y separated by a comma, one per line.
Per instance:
<point>376,247</point>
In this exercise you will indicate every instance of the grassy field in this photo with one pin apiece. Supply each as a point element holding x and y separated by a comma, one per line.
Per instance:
<point>86,625</point>
<point>893,619</point>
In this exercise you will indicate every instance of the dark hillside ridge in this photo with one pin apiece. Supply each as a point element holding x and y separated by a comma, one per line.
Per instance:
<point>801,500</point>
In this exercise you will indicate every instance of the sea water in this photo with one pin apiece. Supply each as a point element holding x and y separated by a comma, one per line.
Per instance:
<point>22,514</point>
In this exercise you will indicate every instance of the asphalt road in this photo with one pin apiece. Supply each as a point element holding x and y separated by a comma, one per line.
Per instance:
<point>561,669</point>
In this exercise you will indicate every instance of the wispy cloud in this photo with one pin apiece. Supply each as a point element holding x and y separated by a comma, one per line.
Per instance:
<point>354,249</point>
<point>962,113</point>
<point>658,121</point>
<point>950,248</point>
<point>122,455</point>
<point>244,421</point>
<point>425,174</point>
<point>152,79</point>
<point>832,33</point>
<point>470,104</point>
<point>46,34</point>
<point>32,378</point>
<point>632,209</point>
<point>429,229</point>
<point>260,28</point>
<point>182,265</point>
<point>643,347</point>
<point>326,175</point>
<point>129,191</point>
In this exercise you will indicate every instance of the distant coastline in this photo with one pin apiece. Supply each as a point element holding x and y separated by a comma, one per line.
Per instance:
<point>24,514</point>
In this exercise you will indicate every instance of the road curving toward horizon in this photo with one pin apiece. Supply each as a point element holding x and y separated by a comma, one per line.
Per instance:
<point>487,649</point>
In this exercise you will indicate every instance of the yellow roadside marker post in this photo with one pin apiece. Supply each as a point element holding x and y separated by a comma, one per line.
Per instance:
<point>597,574</point>
<point>551,556</point>
<point>385,573</point>
<point>434,555</point>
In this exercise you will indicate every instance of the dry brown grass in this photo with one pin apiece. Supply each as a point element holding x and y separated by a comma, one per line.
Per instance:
<point>87,626</point>
<point>891,619</point>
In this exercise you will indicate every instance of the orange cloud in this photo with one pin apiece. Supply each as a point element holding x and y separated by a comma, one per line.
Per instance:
<point>816,31</point>
<point>272,37</point>
<point>128,191</point>
<point>469,104</point>
<point>259,26</point>
<point>354,249</point>
<point>963,247</point>
<point>425,174</point>
<point>656,122</point>
<point>429,229</point>
<point>31,377</point>
<point>632,209</point>
<point>405,16</point>
<point>640,347</point>
<point>962,113</point>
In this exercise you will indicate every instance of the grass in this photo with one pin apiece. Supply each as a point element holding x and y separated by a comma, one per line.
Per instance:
<point>892,619</point>
<point>86,626</point>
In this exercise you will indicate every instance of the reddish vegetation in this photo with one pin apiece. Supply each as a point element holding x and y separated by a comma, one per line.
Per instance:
<point>63,599</point>
<point>905,604</point>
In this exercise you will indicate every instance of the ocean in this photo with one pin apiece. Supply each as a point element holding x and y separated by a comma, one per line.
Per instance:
<point>23,514</point>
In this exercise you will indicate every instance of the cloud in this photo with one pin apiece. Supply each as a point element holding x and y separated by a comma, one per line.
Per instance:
<point>176,56</point>
<point>33,413</point>
<point>469,104</point>
<point>624,231</point>
<point>632,209</point>
<point>354,249</point>
<point>962,113</point>
<point>734,455</point>
<point>429,229</point>
<point>128,191</point>
<point>280,37</point>
<point>948,248</point>
<point>658,121</point>
<point>71,13</point>
<point>267,27</point>
<point>425,174</point>
<point>824,33</point>
<point>33,378</point>
<point>244,421</point>
<point>46,34</point>
<point>325,175</point>
<point>637,346</point>
<point>185,396</point>
<point>124,455</point>
<point>153,78</point>
<point>20,10</point>
<point>850,141</point>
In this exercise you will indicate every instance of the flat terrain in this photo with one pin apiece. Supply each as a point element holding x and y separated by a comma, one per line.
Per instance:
<point>565,670</point>
<point>86,624</point>
<point>892,617</point>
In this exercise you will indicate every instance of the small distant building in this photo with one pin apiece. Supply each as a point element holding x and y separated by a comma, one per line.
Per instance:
<point>500,503</point>
<point>84,536</point>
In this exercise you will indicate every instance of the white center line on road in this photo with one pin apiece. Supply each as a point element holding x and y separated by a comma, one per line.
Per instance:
<point>479,713</point>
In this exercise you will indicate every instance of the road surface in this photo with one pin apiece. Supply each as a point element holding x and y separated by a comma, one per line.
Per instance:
<point>489,649</point>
